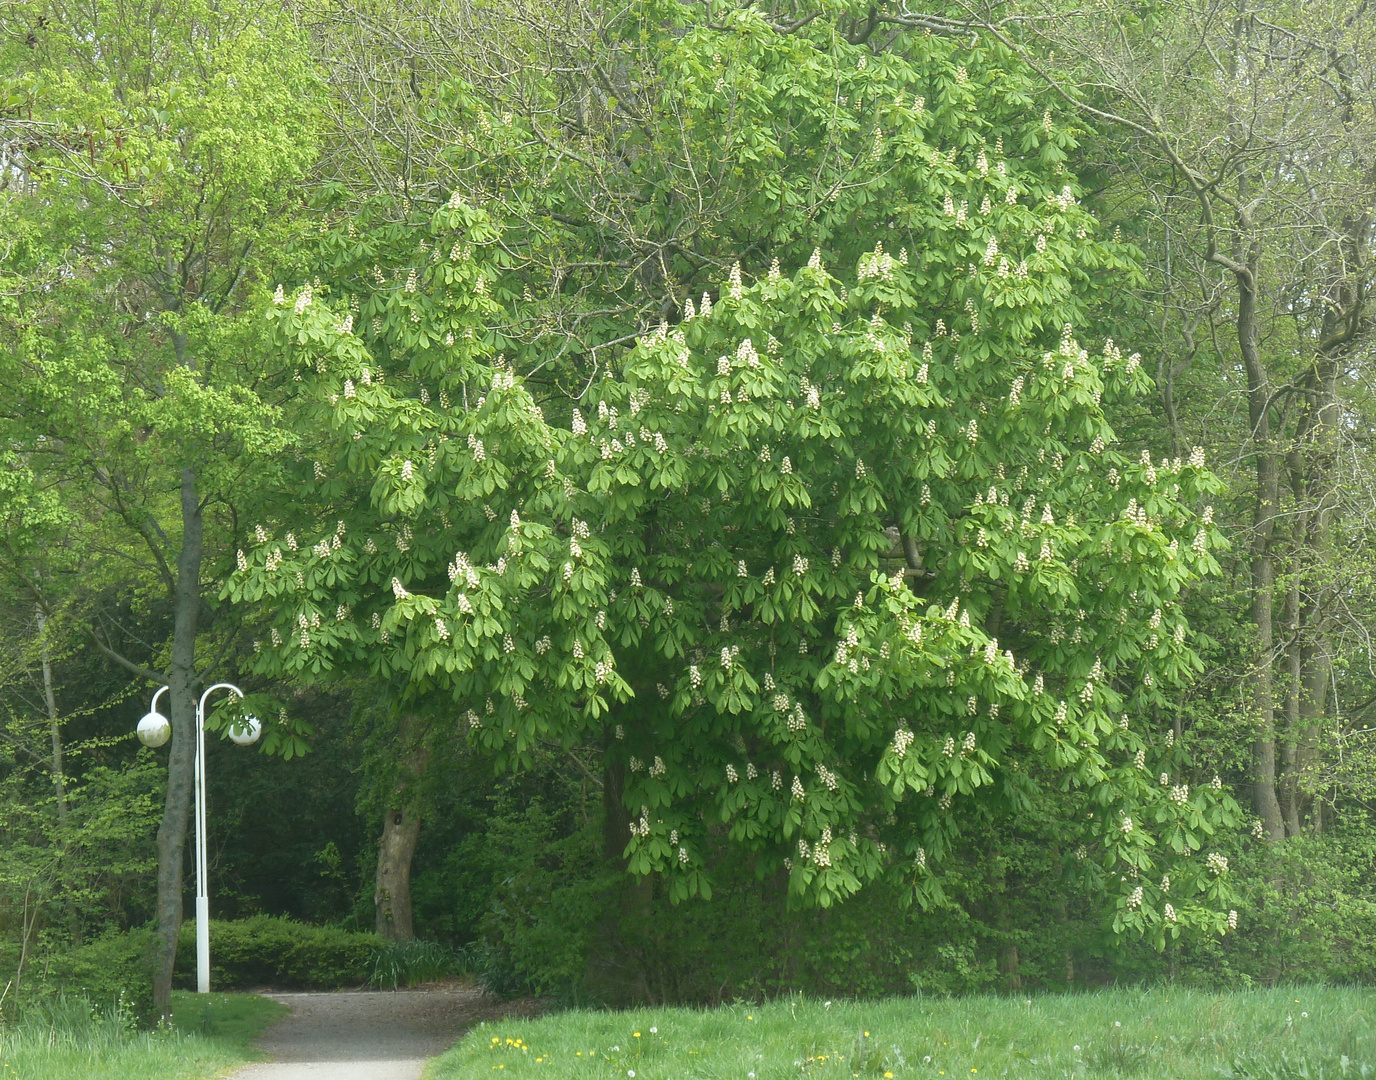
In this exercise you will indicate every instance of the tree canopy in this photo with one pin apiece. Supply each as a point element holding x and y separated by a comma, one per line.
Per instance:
<point>688,464</point>
<point>820,558</point>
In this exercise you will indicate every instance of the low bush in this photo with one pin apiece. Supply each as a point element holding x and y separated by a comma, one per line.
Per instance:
<point>267,951</point>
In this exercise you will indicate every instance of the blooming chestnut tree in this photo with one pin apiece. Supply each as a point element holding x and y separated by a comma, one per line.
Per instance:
<point>840,558</point>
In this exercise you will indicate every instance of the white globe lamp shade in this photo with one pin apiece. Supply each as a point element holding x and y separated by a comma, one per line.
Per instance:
<point>247,732</point>
<point>154,730</point>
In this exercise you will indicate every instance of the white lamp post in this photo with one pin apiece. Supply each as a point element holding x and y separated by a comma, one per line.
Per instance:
<point>154,730</point>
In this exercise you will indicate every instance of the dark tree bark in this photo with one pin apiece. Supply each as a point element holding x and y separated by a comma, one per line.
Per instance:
<point>1264,800</point>
<point>181,761</point>
<point>616,820</point>
<point>617,969</point>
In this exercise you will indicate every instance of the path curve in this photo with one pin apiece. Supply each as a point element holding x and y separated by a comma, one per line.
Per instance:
<point>369,1034</point>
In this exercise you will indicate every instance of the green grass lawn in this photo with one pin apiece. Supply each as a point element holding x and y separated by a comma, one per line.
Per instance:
<point>1165,1033</point>
<point>213,1033</point>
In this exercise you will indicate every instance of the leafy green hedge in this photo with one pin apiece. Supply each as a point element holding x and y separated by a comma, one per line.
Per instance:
<point>281,953</point>
<point>115,970</point>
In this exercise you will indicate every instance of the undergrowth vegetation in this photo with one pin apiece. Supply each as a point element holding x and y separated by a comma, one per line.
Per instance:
<point>414,963</point>
<point>69,1038</point>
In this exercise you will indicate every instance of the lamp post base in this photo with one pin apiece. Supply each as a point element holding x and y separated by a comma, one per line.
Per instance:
<point>202,944</point>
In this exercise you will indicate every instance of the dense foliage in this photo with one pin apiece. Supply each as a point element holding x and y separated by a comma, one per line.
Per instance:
<point>710,567</point>
<point>685,478</point>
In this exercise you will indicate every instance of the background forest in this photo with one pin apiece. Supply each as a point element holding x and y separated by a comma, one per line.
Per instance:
<point>706,499</point>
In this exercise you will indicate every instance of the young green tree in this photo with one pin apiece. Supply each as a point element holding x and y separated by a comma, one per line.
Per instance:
<point>163,158</point>
<point>832,564</point>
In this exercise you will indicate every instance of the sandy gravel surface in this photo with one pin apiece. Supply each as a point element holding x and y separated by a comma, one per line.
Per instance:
<point>369,1035</point>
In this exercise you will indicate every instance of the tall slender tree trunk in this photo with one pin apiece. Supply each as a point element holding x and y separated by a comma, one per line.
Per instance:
<point>1315,663</point>
<point>1292,619</point>
<point>1289,743</point>
<point>1314,689</point>
<point>57,770</point>
<point>55,728</point>
<point>1308,473</point>
<point>181,762</point>
<point>1264,800</point>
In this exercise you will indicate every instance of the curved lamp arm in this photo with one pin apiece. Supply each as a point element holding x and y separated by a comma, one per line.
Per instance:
<point>218,686</point>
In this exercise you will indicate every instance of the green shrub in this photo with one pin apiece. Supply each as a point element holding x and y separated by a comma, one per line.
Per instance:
<point>112,972</point>
<point>267,951</point>
<point>1308,913</point>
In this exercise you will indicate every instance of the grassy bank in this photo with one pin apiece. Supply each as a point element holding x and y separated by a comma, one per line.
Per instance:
<point>1150,1035</point>
<point>71,1041</point>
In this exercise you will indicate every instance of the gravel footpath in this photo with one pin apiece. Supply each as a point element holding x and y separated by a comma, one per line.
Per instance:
<point>370,1035</point>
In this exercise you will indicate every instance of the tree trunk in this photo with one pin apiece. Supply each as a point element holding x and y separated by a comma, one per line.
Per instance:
<point>1313,695</point>
<point>392,896</point>
<point>616,820</point>
<point>1294,649</point>
<point>50,703</point>
<point>1264,800</point>
<point>181,760</point>
<point>400,832</point>
<point>615,971</point>
<point>59,775</point>
<point>1316,671</point>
